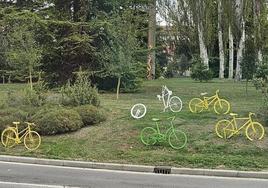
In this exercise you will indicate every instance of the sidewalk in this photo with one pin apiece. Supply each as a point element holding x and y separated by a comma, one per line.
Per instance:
<point>137,168</point>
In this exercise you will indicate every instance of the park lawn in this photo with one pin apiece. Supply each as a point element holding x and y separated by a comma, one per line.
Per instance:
<point>117,140</point>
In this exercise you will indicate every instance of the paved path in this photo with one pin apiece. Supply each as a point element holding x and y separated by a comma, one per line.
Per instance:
<point>19,175</point>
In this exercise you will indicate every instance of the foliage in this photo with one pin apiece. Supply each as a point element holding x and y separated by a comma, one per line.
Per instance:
<point>9,115</point>
<point>26,96</point>
<point>260,82</point>
<point>90,114</point>
<point>200,72</point>
<point>50,121</point>
<point>80,92</point>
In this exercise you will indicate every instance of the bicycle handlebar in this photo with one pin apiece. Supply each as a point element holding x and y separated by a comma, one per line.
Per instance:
<point>251,114</point>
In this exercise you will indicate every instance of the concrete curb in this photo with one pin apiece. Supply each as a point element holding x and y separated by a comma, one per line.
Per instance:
<point>135,168</point>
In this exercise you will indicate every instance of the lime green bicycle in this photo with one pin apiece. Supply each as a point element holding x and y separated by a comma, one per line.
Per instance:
<point>177,139</point>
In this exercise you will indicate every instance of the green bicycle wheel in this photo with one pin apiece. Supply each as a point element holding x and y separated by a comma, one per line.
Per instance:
<point>148,136</point>
<point>177,139</point>
<point>32,140</point>
<point>255,131</point>
<point>196,105</point>
<point>224,129</point>
<point>8,137</point>
<point>221,106</point>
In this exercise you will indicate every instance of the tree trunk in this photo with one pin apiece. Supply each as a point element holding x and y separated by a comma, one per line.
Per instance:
<point>238,73</point>
<point>151,41</point>
<point>221,47</point>
<point>202,46</point>
<point>118,87</point>
<point>260,57</point>
<point>231,53</point>
<point>31,79</point>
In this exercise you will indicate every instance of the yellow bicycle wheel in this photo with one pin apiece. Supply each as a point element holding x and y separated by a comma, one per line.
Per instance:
<point>8,137</point>
<point>196,105</point>
<point>255,131</point>
<point>32,140</point>
<point>224,129</point>
<point>221,106</point>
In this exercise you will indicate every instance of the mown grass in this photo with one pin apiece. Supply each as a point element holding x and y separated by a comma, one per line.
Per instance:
<point>117,139</point>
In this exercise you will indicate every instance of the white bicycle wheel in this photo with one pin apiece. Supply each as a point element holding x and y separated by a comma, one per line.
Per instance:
<point>175,104</point>
<point>138,111</point>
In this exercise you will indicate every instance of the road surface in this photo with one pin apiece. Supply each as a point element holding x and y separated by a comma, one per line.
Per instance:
<point>19,175</point>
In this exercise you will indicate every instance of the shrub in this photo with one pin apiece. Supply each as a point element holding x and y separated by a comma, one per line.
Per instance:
<point>51,121</point>
<point>25,97</point>
<point>90,114</point>
<point>10,115</point>
<point>200,72</point>
<point>80,93</point>
<point>261,83</point>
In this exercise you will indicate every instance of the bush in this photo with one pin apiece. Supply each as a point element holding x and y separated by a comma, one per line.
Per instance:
<point>201,73</point>
<point>25,97</point>
<point>10,115</point>
<point>51,121</point>
<point>80,93</point>
<point>261,83</point>
<point>90,114</point>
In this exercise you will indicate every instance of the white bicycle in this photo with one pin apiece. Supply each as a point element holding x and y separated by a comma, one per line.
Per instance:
<point>174,103</point>
<point>138,111</point>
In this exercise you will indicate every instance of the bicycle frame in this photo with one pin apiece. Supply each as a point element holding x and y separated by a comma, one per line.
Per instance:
<point>24,131</point>
<point>165,92</point>
<point>234,121</point>
<point>210,100</point>
<point>167,131</point>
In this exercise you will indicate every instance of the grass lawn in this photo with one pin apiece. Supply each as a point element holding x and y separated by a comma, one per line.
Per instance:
<point>117,140</point>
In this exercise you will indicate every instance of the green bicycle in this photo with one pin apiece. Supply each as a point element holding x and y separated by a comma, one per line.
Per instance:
<point>176,138</point>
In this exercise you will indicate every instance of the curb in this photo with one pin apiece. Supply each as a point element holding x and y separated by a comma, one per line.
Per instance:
<point>136,168</point>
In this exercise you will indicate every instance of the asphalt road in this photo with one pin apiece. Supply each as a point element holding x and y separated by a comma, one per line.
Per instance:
<point>18,175</point>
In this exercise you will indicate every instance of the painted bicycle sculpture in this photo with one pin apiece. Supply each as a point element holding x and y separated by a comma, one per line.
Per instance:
<point>174,103</point>
<point>11,136</point>
<point>177,139</point>
<point>221,106</point>
<point>253,130</point>
<point>138,111</point>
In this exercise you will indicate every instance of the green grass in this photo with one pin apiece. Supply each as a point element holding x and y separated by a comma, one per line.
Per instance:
<point>117,139</point>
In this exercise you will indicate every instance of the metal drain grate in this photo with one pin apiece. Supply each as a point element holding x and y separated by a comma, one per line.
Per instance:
<point>162,170</point>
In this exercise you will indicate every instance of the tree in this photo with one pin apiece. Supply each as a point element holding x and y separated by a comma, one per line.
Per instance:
<point>151,40</point>
<point>23,52</point>
<point>220,36</point>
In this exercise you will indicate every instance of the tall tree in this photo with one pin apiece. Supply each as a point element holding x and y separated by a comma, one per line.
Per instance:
<point>220,37</point>
<point>151,40</point>
<point>199,4</point>
<point>240,23</point>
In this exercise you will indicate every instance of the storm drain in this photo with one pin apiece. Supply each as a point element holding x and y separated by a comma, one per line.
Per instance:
<point>162,170</point>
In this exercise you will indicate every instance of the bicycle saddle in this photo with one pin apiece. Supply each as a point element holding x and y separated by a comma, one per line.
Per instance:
<point>233,114</point>
<point>202,94</point>
<point>155,119</point>
<point>15,122</point>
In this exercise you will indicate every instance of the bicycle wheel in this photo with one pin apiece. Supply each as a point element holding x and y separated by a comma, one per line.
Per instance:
<point>224,129</point>
<point>32,140</point>
<point>221,106</point>
<point>196,105</point>
<point>148,136</point>
<point>255,131</point>
<point>175,104</point>
<point>177,139</point>
<point>138,111</point>
<point>8,137</point>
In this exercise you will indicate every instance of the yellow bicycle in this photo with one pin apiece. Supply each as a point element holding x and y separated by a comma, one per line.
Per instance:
<point>11,136</point>
<point>253,130</point>
<point>221,106</point>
